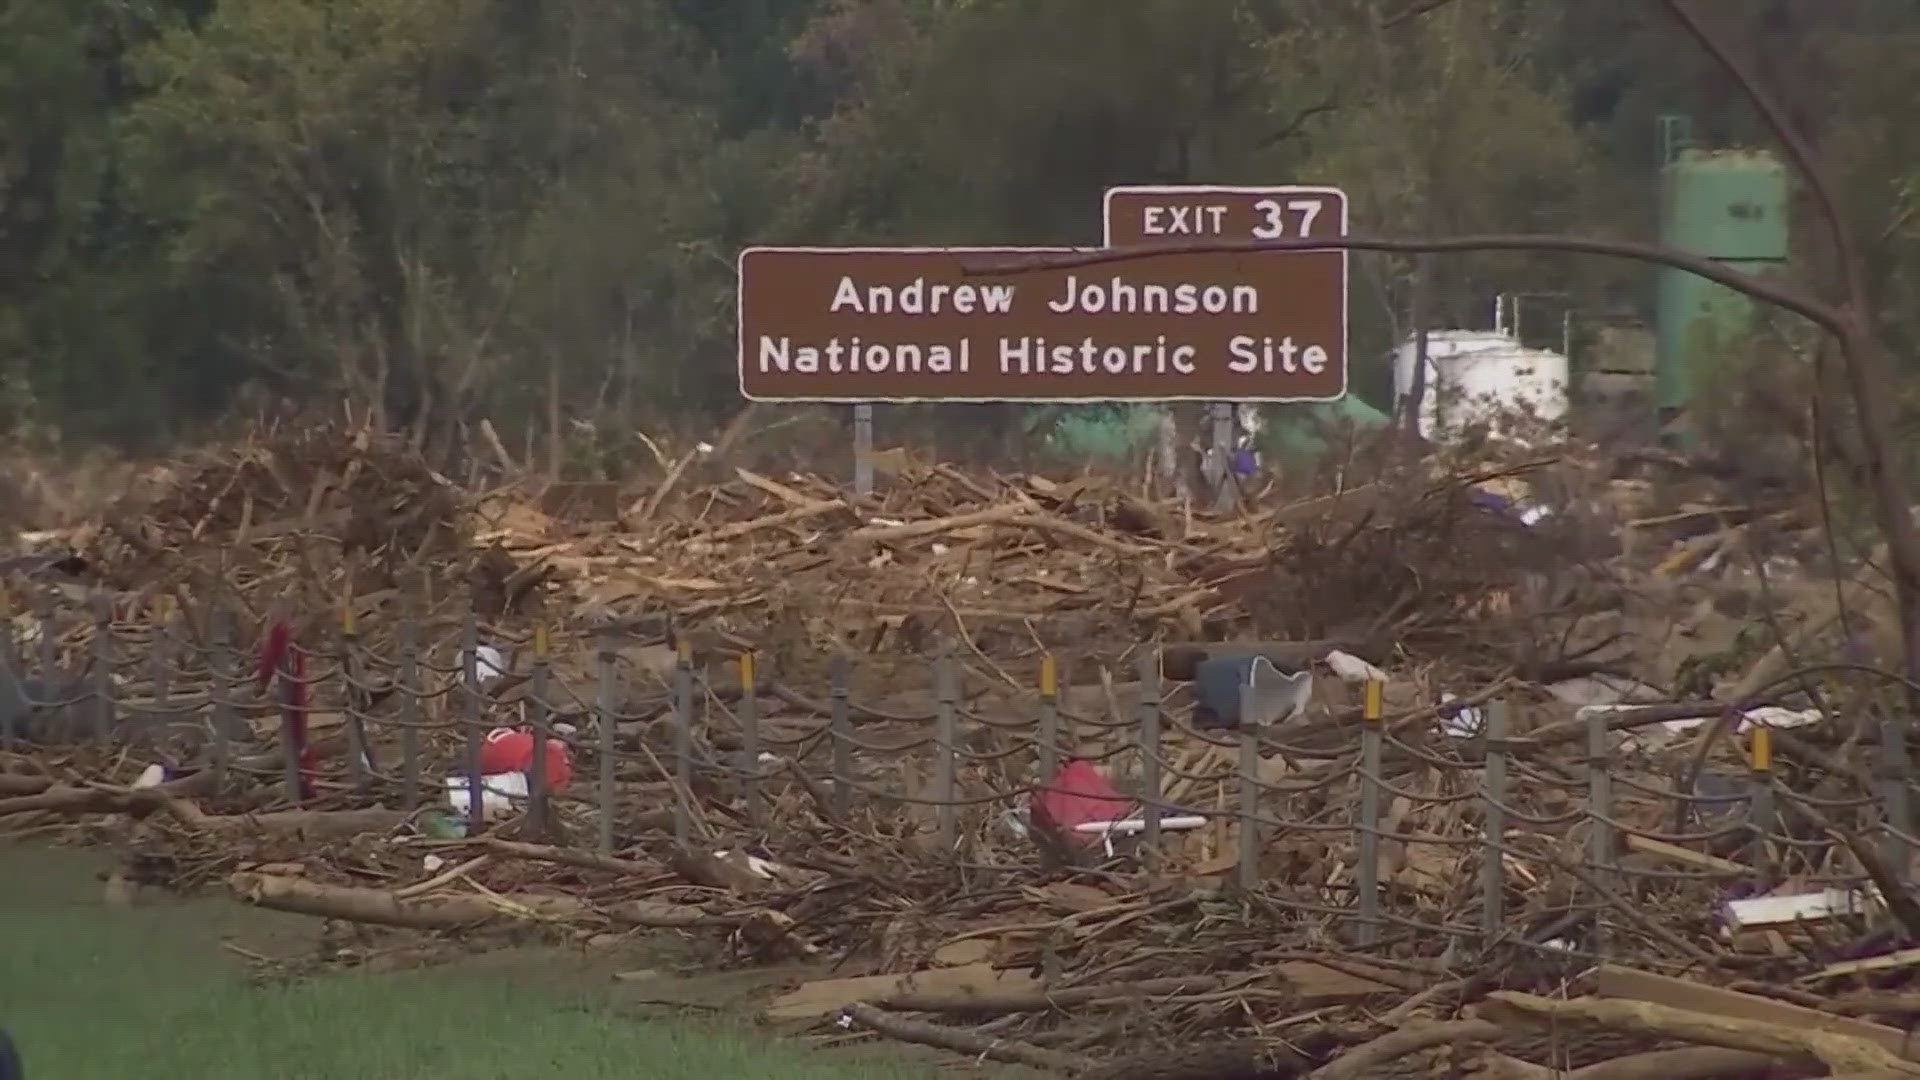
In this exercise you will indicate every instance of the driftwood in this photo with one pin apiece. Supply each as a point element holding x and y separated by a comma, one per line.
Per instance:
<point>451,912</point>
<point>1840,1053</point>
<point>1365,1060</point>
<point>965,1042</point>
<point>1691,1063</point>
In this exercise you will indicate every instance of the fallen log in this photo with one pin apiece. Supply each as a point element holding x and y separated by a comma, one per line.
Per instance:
<point>961,1041</point>
<point>1840,1053</point>
<point>1366,1059</point>
<point>11,784</point>
<point>450,911</point>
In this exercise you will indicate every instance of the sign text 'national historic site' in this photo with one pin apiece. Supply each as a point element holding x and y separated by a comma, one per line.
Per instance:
<point>1001,324</point>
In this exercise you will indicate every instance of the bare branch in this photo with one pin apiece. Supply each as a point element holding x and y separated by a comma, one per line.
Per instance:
<point>1810,308</point>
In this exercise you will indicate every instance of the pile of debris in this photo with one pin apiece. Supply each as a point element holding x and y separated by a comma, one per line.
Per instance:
<point>1564,589</point>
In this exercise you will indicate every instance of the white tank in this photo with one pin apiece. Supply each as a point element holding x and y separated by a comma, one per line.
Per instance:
<point>1474,375</point>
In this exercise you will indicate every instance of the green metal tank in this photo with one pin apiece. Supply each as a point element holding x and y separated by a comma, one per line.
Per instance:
<point>1731,206</point>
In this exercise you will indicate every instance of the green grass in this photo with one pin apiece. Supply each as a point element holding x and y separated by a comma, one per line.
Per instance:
<point>97,993</point>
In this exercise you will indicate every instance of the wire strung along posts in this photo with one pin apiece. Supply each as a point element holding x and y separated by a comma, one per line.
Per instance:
<point>1493,853</point>
<point>56,685</point>
<point>160,667</point>
<point>1148,716</point>
<point>1249,856</point>
<point>470,715</point>
<point>605,724</point>
<point>1049,717</point>
<point>407,680</point>
<point>840,733</point>
<point>358,752</point>
<point>102,665</point>
<point>221,685</point>
<point>1760,814</point>
<point>750,738</point>
<point>1892,774</point>
<point>682,740</point>
<point>1367,876</point>
<point>539,802</point>
<point>945,785</point>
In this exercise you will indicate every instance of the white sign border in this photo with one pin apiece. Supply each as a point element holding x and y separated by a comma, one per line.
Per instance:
<point>740,326</point>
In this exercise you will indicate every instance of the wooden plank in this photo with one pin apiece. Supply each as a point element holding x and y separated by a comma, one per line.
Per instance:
<point>1686,856</point>
<point>1634,985</point>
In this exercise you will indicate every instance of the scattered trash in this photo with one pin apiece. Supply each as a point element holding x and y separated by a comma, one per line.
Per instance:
<point>1459,721</point>
<point>1079,793</point>
<point>1351,668</point>
<point>487,663</point>
<point>151,777</point>
<point>1798,907</point>
<point>437,824</point>
<point>498,793</point>
<point>509,750</point>
<point>1219,681</point>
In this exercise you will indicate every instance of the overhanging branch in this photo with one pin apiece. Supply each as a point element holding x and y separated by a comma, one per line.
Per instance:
<point>1809,308</point>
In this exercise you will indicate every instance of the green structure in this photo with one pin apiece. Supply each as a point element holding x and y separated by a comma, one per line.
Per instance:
<point>1728,205</point>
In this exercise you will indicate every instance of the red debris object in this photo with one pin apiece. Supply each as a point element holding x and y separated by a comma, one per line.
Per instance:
<point>1077,794</point>
<point>278,648</point>
<point>509,750</point>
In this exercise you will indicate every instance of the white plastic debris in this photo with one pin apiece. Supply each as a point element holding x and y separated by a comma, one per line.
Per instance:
<point>1129,826</point>
<point>487,663</point>
<point>1464,722</point>
<point>1351,668</point>
<point>565,730</point>
<point>151,776</point>
<point>497,793</point>
<point>754,864</point>
<point>1797,907</point>
<point>432,863</point>
<point>1773,716</point>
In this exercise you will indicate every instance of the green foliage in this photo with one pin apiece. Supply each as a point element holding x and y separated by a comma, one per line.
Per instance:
<point>443,210</point>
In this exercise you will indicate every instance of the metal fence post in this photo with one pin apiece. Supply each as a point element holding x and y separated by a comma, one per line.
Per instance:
<point>839,725</point>
<point>682,740</point>
<point>750,737</point>
<point>103,665</point>
<point>1894,768</point>
<point>1148,715</point>
<point>1601,839</point>
<point>288,691</point>
<point>470,719</point>
<point>1249,861</point>
<point>945,782</point>
<point>407,681</point>
<point>160,665</point>
<point>1049,718</point>
<point>606,725</point>
<point>220,666</point>
<point>1760,813</point>
<point>537,802</point>
<point>1493,879</point>
<point>56,685</point>
<point>1367,876</point>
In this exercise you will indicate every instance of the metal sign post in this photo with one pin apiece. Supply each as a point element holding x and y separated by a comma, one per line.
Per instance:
<point>863,448</point>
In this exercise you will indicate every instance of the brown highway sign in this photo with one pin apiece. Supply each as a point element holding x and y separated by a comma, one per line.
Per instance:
<point>927,324</point>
